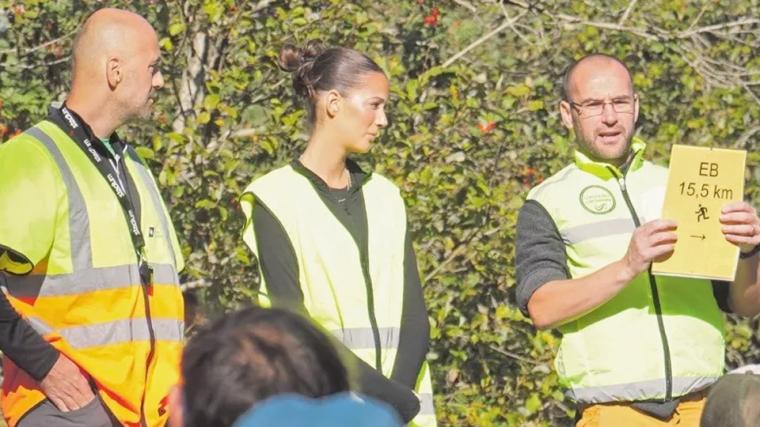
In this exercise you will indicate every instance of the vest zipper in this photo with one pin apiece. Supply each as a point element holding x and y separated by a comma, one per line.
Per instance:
<point>371,310</point>
<point>364,259</point>
<point>655,295</point>
<point>330,201</point>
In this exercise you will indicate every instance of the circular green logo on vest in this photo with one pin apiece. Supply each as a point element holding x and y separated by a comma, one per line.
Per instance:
<point>597,199</point>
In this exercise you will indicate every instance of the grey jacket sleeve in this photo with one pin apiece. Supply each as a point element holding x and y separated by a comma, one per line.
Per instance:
<point>540,252</point>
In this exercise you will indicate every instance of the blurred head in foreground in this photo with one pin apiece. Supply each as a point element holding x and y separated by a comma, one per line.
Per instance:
<point>248,356</point>
<point>733,401</point>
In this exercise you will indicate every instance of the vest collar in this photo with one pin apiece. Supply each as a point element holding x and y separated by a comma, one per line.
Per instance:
<point>358,176</point>
<point>607,170</point>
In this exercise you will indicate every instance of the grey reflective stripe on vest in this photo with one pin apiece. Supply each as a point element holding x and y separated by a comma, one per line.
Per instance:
<point>426,404</point>
<point>112,333</point>
<point>362,338</point>
<point>79,222</point>
<point>155,199</point>
<point>84,278</point>
<point>546,185</point>
<point>83,281</point>
<point>597,229</point>
<point>39,325</point>
<point>643,390</point>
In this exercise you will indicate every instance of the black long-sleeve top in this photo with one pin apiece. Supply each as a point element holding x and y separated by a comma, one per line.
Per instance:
<point>18,340</point>
<point>280,269</point>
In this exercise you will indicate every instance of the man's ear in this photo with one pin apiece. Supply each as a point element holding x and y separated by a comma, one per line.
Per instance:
<point>176,407</point>
<point>333,103</point>
<point>635,108</point>
<point>114,72</point>
<point>566,112</point>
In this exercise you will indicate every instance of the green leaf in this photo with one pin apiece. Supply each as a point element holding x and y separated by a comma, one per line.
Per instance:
<point>211,101</point>
<point>519,91</point>
<point>145,152</point>
<point>176,28</point>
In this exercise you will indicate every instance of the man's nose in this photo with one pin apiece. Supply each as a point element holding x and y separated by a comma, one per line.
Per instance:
<point>158,80</point>
<point>609,116</point>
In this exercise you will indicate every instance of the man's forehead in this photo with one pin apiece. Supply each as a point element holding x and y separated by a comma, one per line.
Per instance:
<point>600,78</point>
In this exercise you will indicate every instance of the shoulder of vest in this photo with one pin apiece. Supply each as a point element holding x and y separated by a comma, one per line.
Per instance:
<point>271,178</point>
<point>276,186</point>
<point>650,167</point>
<point>53,131</point>
<point>553,182</point>
<point>379,186</point>
<point>381,181</point>
<point>30,145</point>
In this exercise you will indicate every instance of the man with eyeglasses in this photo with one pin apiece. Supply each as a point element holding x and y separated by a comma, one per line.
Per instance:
<point>637,349</point>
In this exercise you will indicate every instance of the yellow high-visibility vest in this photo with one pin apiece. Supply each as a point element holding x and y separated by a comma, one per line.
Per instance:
<point>331,269</point>
<point>660,337</point>
<point>84,295</point>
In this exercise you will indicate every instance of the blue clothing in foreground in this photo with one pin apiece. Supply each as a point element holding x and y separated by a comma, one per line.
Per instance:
<point>340,410</point>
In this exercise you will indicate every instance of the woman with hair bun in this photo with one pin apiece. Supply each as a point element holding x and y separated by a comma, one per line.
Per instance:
<point>332,240</point>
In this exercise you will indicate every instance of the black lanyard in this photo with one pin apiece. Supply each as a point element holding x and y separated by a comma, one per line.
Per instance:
<point>85,140</point>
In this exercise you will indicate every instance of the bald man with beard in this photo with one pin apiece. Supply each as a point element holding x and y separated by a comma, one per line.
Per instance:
<point>91,315</point>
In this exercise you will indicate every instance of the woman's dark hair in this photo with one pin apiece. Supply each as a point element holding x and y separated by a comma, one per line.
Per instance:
<point>316,68</point>
<point>250,355</point>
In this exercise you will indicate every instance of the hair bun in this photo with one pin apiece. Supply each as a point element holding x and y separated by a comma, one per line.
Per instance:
<point>300,62</point>
<point>292,57</point>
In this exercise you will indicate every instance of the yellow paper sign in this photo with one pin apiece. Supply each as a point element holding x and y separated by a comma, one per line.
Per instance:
<point>700,182</point>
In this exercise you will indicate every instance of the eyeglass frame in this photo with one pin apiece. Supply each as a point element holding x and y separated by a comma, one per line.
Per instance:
<point>579,107</point>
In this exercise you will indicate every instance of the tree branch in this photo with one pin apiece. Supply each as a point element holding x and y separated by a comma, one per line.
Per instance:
<point>40,46</point>
<point>512,26</point>
<point>607,26</point>
<point>467,5</point>
<point>515,356</point>
<point>483,39</point>
<point>713,28</point>
<point>627,12</point>
<point>744,138</point>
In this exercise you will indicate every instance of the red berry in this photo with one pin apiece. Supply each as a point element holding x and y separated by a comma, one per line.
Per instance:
<point>487,127</point>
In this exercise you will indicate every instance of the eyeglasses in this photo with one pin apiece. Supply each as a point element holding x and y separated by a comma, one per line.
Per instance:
<point>623,104</point>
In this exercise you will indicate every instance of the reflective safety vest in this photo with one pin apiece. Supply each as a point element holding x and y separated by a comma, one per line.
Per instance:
<point>660,337</point>
<point>332,272</point>
<point>86,297</point>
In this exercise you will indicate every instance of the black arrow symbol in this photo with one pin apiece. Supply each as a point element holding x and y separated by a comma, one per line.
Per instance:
<point>701,236</point>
